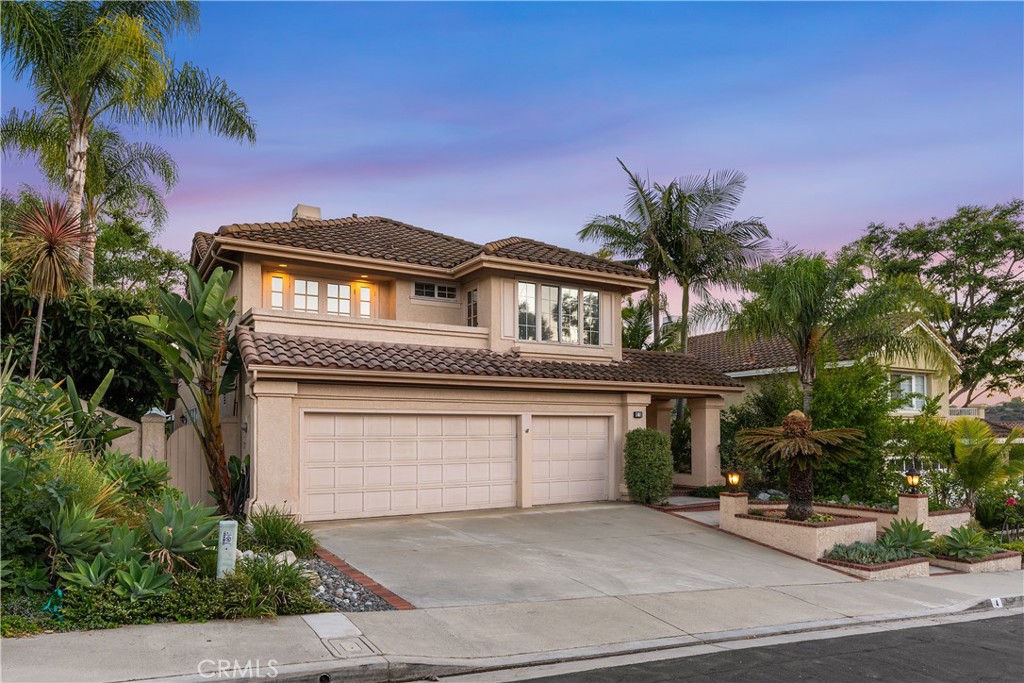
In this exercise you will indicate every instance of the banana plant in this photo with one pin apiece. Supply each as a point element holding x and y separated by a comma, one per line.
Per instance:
<point>138,583</point>
<point>94,429</point>
<point>89,574</point>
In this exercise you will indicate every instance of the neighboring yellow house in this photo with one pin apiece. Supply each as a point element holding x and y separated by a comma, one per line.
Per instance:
<point>752,363</point>
<point>393,370</point>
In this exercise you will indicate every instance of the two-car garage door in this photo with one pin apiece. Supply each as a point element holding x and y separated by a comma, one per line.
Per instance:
<point>374,465</point>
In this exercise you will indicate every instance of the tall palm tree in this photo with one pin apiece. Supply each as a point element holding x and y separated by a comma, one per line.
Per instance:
<point>120,175</point>
<point>46,241</point>
<point>706,247</point>
<point>87,60</point>
<point>801,449</point>
<point>979,459</point>
<point>636,235</point>
<point>811,301</point>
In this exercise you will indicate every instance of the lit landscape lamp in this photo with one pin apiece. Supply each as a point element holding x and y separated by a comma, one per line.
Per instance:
<point>733,478</point>
<point>913,479</point>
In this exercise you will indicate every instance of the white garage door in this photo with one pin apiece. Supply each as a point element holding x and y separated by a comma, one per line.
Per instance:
<point>570,459</point>
<point>373,465</point>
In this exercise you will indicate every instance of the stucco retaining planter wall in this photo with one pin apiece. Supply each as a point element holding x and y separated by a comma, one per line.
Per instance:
<point>901,569</point>
<point>1008,561</point>
<point>911,507</point>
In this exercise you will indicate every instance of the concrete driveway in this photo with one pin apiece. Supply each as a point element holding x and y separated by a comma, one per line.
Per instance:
<point>556,553</point>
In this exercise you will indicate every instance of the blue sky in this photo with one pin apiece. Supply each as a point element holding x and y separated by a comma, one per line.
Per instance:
<point>487,120</point>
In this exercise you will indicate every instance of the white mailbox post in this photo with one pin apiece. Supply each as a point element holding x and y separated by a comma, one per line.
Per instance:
<point>226,545</point>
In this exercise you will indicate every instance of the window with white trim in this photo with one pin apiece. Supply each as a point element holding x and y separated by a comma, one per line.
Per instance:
<point>561,315</point>
<point>277,292</point>
<point>306,296</point>
<point>311,295</point>
<point>914,386</point>
<point>429,290</point>
<point>339,298</point>
<point>364,301</point>
<point>473,308</point>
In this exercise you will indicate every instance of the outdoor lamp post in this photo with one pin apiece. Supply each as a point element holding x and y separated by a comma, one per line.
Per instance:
<point>913,479</point>
<point>733,477</point>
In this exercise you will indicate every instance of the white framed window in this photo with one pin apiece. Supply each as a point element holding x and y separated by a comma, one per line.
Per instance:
<point>914,386</point>
<point>561,315</point>
<point>277,292</point>
<point>430,290</point>
<point>339,298</point>
<point>306,296</point>
<point>473,308</point>
<point>364,301</point>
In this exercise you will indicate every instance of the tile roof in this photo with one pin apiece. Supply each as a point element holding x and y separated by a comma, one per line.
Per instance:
<point>760,354</point>
<point>201,242</point>
<point>648,367</point>
<point>1003,429</point>
<point>391,240</point>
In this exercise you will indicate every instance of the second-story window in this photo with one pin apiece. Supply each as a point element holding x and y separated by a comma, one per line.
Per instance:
<point>429,290</point>
<point>277,292</point>
<point>307,295</point>
<point>909,385</point>
<point>472,308</point>
<point>364,302</point>
<point>567,315</point>
<point>339,299</point>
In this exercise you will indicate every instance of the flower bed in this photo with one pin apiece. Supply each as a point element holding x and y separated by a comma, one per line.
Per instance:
<point>1006,561</point>
<point>938,521</point>
<point>913,567</point>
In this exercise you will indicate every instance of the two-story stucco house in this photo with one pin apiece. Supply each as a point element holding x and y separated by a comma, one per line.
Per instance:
<point>391,370</point>
<point>751,363</point>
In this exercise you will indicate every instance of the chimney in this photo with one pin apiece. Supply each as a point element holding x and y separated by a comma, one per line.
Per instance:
<point>304,211</point>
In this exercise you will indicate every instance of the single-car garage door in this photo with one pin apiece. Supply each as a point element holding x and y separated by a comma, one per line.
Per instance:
<point>570,459</point>
<point>374,465</point>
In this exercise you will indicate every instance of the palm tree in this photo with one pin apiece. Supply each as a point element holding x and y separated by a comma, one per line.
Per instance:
<point>195,340</point>
<point>800,449</point>
<point>87,60</point>
<point>812,302</point>
<point>979,459</point>
<point>120,175</point>
<point>705,246</point>
<point>636,236</point>
<point>46,242</point>
<point>637,326</point>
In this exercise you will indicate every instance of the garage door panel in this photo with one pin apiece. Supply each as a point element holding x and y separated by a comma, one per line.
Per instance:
<point>372,465</point>
<point>570,459</point>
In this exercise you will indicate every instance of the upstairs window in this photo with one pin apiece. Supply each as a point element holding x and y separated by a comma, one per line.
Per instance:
<point>277,292</point>
<point>472,308</point>
<point>364,302</point>
<point>429,290</point>
<point>339,299</point>
<point>310,295</point>
<point>567,315</point>
<point>307,296</point>
<point>910,384</point>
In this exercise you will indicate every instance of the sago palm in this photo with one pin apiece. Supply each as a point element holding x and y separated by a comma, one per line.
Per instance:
<point>800,449</point>
<point>92,60</point>
<point>811,301</point>
<point>636,235</point>
<point>979,459</point>
<point>45,242</point>
<point>120,175</point>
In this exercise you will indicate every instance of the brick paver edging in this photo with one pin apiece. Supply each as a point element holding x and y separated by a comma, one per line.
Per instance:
<point>838,521</point>
<point>875,567</point>
<point>364,580</point>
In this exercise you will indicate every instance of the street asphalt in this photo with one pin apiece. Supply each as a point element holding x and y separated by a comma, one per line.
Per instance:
<point>983,651</point>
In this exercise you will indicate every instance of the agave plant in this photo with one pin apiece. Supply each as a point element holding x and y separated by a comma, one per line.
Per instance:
<point>137,582</point>
<point>180,531</point>
<point>966,543</point>
<point>123,546</point>
<point>89,574</point>
<point>146,478</point>
<point>907,534</point>
<point>75,531</point>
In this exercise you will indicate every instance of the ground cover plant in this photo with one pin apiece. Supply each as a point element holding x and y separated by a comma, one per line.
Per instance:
<point>867,553</point>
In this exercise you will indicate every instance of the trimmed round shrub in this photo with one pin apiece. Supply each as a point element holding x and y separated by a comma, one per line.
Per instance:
<point>648,465</point>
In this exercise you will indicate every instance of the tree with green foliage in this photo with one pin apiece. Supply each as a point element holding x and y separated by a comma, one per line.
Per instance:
<point>1008,411</point>
<point>88,61</point>
<point>129,260</point>
<point>812,302</point>
<point>774,397</point>
<point>637,235</point>
<point>44,245</point>
<point>801,450</point>
<point>980,459</point>
<point>975,261</point>
<point>195,340</point>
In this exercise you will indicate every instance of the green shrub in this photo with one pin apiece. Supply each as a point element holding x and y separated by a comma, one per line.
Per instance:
<point>22,616</point>
<point>272,530</point>
<point>134,476</point>
<point>682,446</point>
<point>820,518</point>
<point>648,465</point>
<point>905,534</point>
<point>1017,546</point>
<point>88,485</point>
<point>708,491</point>
<point>867,553</point>
<point>267,587</point>
<point>181,532</point>
<point>966,543</point>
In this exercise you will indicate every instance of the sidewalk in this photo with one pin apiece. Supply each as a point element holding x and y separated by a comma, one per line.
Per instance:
<point>407,645</point>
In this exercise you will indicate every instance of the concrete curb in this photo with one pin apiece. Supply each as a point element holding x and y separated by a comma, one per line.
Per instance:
<point>395,669</point>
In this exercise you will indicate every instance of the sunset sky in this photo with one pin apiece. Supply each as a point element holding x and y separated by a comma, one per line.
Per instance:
<point>487,120</point>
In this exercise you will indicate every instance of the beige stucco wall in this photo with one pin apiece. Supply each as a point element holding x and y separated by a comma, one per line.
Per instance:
<point>912,570</point>
<point>1009,563</point>
<point>279,406</point>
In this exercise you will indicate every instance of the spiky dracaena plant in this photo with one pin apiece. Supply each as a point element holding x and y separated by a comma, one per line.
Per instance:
<point>800,449</point>
<point>195,340</point>
<point>46,243</point>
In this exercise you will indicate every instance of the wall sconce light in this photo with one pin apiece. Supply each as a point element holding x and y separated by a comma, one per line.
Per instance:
<point>913,479</point>
<point>638,414</point>
<point>733,478</point>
